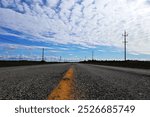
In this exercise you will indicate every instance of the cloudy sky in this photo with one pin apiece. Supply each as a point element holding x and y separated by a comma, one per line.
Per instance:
<point>74,28</point>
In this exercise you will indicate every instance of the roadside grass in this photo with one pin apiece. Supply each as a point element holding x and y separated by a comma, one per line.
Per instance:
<point>4,63</point>
<point>128,63</point>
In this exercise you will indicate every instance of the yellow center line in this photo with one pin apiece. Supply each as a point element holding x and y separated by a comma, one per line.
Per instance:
<point>64,89</point>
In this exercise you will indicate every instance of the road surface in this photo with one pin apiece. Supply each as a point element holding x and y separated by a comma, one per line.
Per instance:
<point>74,81</point>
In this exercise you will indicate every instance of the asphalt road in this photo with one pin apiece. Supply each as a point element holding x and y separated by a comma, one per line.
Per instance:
<point>30,82</point>
<point>90,82</point>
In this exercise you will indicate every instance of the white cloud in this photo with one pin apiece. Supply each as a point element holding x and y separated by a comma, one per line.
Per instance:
<point>70,54</point>
<point>87,23</point>
<point>18,46</point>
<point>101,50</point>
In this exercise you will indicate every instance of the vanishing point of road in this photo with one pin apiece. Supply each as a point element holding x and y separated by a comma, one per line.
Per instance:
<point>74,81</point>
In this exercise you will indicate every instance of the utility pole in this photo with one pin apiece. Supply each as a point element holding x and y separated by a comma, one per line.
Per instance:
<point>60,59</point>
<point>43,54</point>
<point>92,55</point>
<point>85,58</point>
<point>125,45</point>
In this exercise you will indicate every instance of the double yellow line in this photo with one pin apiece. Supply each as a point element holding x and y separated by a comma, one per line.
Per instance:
<point>64,90</point>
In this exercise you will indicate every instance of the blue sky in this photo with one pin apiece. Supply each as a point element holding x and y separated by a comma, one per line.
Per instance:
<point>73,29</point>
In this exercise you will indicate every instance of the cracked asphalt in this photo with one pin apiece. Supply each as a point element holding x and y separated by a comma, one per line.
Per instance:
<point>91,82</point>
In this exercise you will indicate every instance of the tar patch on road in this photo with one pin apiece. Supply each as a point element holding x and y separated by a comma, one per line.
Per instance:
<point>64,90</point>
